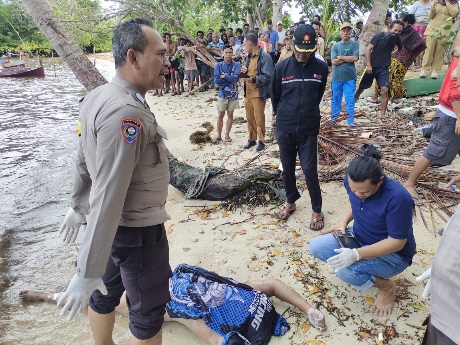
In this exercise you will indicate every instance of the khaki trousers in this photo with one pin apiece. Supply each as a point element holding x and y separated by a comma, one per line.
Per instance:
<point>255,114</point>
<point>434,55</point>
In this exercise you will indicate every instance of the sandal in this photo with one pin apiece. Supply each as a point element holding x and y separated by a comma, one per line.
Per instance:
<point>216,140</point>
<point>417,200</point>
<point>315,220</point>
<point>227,140</point>
<point>284,214</point>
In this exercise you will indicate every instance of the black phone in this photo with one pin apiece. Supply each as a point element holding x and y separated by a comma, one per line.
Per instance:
<point>243,75</point>
<point>346,241</point>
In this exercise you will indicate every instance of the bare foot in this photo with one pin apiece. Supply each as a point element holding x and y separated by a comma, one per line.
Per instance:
<point>36,296</point>
<point>383,305</point>
<point>316,319</point>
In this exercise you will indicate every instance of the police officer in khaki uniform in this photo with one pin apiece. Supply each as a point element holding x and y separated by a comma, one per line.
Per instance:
<point>120,191</point>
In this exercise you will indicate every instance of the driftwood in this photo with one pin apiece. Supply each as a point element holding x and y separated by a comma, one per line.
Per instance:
<point>219,187</point>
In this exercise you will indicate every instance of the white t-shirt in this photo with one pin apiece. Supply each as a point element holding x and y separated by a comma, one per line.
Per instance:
<point>281,35</point>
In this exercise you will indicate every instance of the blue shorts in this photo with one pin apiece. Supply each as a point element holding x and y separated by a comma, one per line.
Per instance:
<point>139,264</point>
<point>380,74</point>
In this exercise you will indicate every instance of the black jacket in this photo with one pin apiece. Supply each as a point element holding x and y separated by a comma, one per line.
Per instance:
<point>297,90</point>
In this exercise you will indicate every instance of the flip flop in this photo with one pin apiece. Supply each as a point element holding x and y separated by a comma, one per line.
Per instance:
<point>317,219</point>
<point>284,214</point>
<point>216,140</point>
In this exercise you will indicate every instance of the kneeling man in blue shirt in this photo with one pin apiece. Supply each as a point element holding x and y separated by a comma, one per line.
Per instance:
<point>382,211</point>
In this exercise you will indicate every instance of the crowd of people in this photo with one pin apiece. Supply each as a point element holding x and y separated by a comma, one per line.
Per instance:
<point>122,176</point>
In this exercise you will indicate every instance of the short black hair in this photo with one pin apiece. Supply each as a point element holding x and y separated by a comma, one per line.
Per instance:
<point>408,18</point>
<point>239,30</point>
<point>229,29</point>
<point>396,21</point>
<point>366,166</point>
<point>251,36</point>
<point>315,23</point>
<point>302,22</point>
<point>199,31</point>
<point>227,46</point>
<point>269,21</point>
<point>246,25</point>
<point>317,16</point>
<point>166,33</point>
<point>128,35</point>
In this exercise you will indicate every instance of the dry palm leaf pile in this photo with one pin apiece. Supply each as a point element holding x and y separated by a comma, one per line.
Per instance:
<point>400,146</point>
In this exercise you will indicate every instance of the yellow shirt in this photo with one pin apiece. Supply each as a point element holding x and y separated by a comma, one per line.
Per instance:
<point>252,90</point>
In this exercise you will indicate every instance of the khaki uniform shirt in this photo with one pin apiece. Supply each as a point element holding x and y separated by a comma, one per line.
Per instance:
<point>252,90</point>
<point>122,173</point>
<point>445,281</point>
<point>438,15</point>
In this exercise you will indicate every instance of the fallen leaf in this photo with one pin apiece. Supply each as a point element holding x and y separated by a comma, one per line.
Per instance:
<point>225,214</point>
<point>240,232</point>
<point>273,227</point>
<point>403,282</point>
<point>295,233</point>
<point>305,327</point>
<point>298,242</point>
<point>312,289</point>
<point>275,253</point>
<point>425,261</point>
<point>170,229</point>
<point>315,342</point>
<point>311,263</point>
<point>267,197</point>
<point>295,262</point>
<point>252,256</point>
<point>369,300</point>
<point>256,226</point>
<point>329,300</point>
<point>299,274</point>
<point>364,334</point>
<point>416,305</point>
<point>229,207</point>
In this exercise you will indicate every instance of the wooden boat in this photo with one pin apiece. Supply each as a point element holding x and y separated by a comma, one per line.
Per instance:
<point>19,72</point>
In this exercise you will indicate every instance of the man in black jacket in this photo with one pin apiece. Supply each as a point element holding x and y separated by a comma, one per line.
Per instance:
<point>297,89</point>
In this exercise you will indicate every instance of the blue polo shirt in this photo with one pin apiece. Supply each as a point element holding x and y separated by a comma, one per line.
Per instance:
<point>273,38</point>
<point>386,213</point>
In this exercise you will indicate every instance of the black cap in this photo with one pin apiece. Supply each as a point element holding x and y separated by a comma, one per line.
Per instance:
<point>305,39</point>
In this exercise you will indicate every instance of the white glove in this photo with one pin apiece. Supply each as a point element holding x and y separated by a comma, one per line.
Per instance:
<point>72,222</point>
<point>78,294</point>
<point>425,275</point>
<point>345,258</point>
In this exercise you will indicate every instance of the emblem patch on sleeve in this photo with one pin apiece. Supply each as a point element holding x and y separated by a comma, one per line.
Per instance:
<point>130,129</point>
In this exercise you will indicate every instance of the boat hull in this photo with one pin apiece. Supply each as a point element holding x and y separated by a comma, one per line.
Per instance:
<point>20,72</point>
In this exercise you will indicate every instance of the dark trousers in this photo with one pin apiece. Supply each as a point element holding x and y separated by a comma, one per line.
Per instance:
<point>434,336</point>
<point>275,56</point>
<point>307,147</point>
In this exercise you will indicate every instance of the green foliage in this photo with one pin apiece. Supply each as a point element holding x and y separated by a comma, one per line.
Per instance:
<point>445,35</point>
<point>17,29</point>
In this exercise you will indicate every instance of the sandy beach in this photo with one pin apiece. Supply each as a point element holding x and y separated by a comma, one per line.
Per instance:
<point>250,243</point>
<point>243,242</point>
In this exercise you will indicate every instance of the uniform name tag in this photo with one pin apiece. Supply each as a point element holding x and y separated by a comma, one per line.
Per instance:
<point>130,129</point>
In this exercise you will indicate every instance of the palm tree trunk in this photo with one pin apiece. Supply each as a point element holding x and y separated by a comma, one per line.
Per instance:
<point>64,44</point>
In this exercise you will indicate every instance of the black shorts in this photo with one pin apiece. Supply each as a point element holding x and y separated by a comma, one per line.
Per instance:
<point>139,264</point>
<point>380,74</point>
<point>203,69</point>
<point>444,144</point>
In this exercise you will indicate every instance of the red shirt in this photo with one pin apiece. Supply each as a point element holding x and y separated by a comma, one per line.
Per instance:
<point>449,91</point>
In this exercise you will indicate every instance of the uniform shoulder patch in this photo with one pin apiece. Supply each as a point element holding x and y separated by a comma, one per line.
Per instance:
<point>130,130</point>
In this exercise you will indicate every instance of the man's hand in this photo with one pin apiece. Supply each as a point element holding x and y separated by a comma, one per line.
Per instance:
<point>338,226</point>
<point>244,69</point>
<point>345,258</point>
<point>369,69</point>
<point>79,293</point>
<point>72,223</point>
<point>457,128</point>
<point>425,275</point>
<point>455,181</point>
